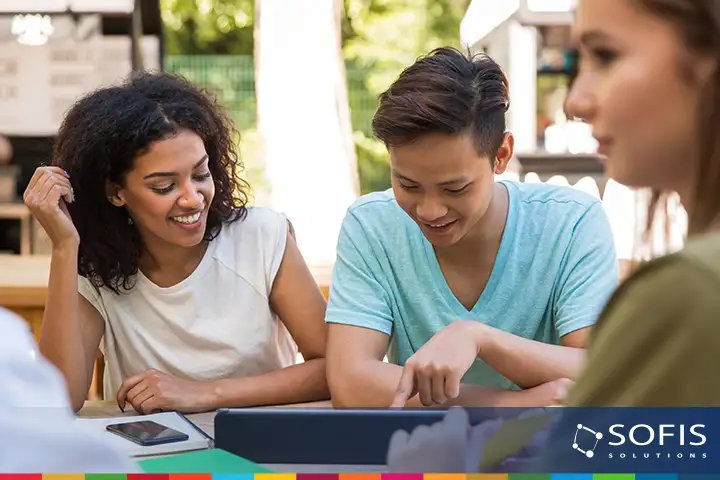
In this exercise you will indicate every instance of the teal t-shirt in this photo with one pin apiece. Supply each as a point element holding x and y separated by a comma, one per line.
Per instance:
<point>555,269</point>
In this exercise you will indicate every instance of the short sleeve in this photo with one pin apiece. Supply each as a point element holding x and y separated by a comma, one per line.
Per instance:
<point>656,343</point>
<point>254,247</point>
<point>277,231</point>
<point>589,273</point>
<point>91,294</point>
<point>35,413</point>
<point>357,296</point>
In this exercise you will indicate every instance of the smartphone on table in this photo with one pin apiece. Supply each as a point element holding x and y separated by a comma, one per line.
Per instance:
<point>147,433</point>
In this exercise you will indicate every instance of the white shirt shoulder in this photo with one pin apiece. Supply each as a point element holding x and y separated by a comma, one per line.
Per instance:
<point>39,430</point>
<point>254,246</point>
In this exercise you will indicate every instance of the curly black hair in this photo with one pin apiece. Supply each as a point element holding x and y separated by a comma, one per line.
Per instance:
<point>97,143</point>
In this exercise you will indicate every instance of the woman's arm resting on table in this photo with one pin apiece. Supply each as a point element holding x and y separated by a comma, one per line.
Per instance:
<point>299,303</point>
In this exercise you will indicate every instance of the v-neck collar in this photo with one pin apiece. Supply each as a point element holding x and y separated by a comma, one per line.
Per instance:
<point>506,243</point>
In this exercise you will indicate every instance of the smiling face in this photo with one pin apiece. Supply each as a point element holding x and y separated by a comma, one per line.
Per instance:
<point>442,183</point>
<point>639,88</point>
<point>168,191</point>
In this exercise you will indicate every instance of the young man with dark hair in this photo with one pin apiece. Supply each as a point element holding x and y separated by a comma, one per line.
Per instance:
<point>482,292</point>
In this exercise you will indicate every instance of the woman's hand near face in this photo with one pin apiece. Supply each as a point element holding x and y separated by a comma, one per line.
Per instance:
<point>46,196</point>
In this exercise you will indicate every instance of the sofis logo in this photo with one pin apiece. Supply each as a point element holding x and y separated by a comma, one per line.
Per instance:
<point>663,435</point>
<point>588,452</point>
<point>644,441</point>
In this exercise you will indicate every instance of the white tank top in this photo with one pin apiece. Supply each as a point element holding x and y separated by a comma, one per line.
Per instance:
<point>217,323</point>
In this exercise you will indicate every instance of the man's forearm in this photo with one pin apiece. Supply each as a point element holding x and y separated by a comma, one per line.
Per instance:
<point>374,384</point>
<point>527,363</point>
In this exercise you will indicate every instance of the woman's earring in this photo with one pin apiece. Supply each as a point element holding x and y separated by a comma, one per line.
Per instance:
<point>130,222</point>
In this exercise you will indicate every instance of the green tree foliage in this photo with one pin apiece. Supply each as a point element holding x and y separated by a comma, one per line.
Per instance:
<point>210,27</point>
<point>385,36</point>
<point>380,39</point>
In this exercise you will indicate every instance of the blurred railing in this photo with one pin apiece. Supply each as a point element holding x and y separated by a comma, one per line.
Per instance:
<point>232,78</point>
<point>627,211</point>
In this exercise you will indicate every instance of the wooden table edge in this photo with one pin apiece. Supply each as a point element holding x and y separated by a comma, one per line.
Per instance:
<point>206,420</point>
<point>23,296</point>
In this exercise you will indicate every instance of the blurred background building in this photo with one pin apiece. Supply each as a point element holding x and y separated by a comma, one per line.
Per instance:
<point>300,80</point>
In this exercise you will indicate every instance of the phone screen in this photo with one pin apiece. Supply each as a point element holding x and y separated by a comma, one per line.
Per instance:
<point>147,432</point>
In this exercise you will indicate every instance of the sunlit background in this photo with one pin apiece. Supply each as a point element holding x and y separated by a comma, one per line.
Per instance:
<point>300,80</point>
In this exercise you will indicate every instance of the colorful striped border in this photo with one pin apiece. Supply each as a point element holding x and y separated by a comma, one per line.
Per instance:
<point>355,476</point>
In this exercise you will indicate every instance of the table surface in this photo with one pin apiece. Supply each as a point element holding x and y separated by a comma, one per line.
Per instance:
<point>205,421</point>
<point>34,271</point>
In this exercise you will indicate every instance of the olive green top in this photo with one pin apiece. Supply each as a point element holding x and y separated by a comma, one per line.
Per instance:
<point>657,343</point>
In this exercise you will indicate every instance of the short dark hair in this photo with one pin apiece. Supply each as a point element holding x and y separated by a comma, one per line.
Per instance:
<point>448,92</point>
<point>98,142</point>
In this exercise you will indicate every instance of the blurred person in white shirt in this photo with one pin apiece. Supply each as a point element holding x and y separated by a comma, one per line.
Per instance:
<point>39,429</point>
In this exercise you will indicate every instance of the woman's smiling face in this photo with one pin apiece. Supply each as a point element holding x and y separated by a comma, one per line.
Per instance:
<point>169,190</point>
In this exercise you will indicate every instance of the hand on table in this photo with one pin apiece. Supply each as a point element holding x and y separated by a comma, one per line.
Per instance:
<point>434,372</point>
<point>153,391</point>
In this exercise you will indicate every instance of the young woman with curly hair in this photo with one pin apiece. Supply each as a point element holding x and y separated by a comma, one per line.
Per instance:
<point>199,301</point>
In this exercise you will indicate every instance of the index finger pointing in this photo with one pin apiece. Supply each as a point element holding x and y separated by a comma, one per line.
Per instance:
<point>405,387</point>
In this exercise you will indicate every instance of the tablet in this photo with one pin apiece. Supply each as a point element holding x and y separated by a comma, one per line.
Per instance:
<point>316,436</point>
